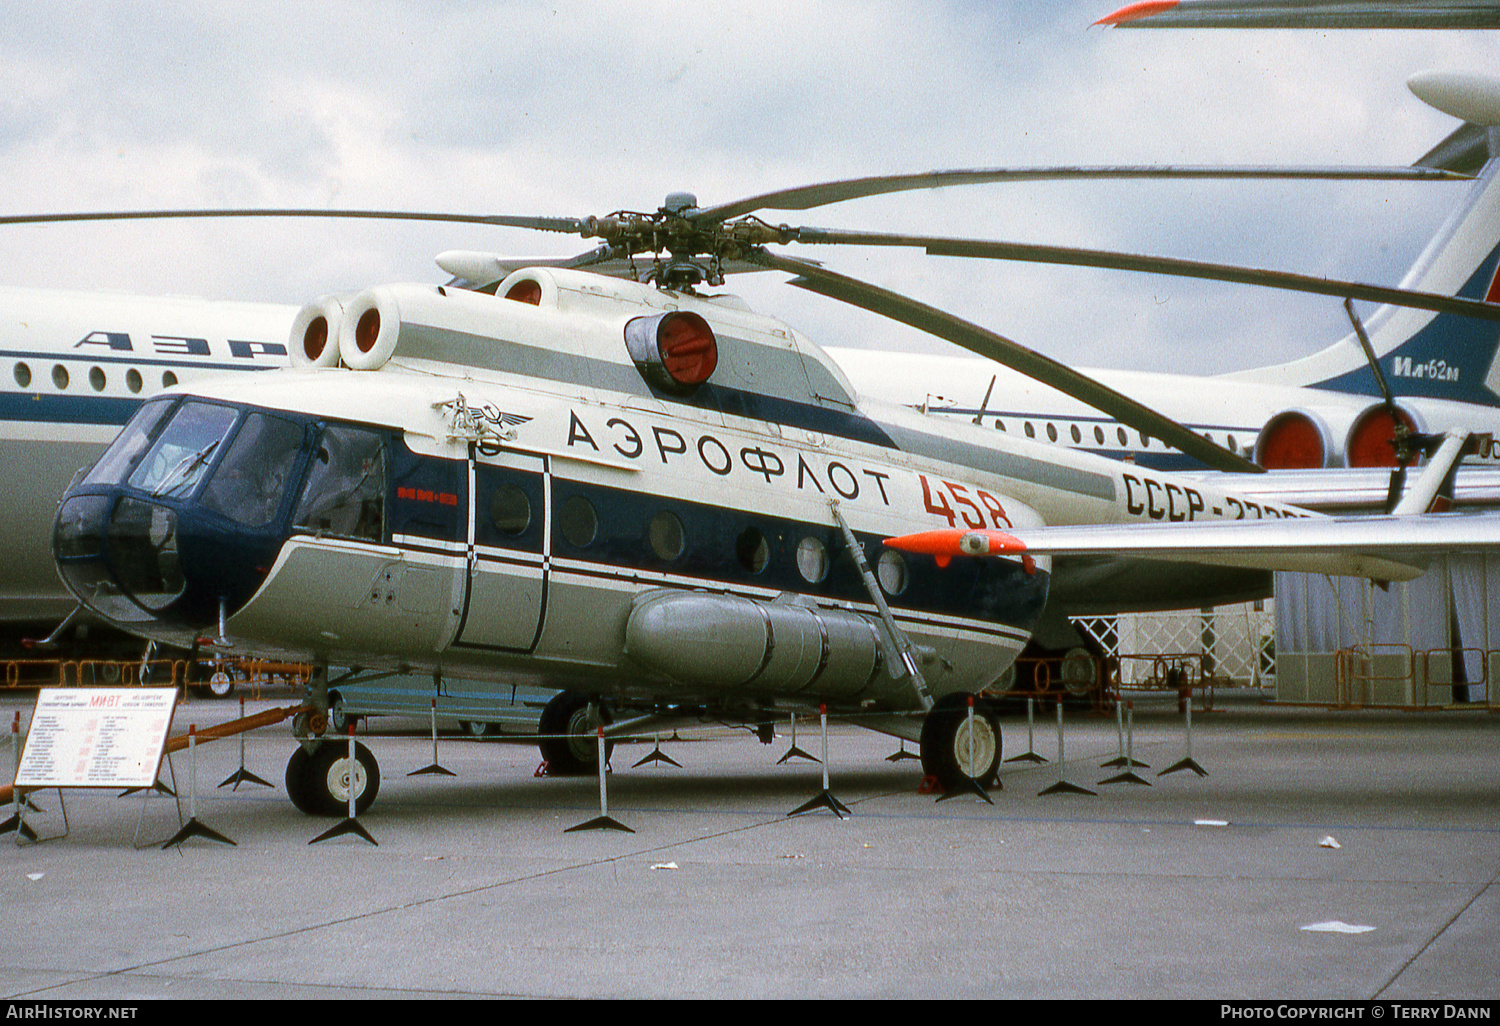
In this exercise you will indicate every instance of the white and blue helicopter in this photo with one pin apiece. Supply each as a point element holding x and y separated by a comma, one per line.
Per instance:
<point>77,364</point>
<point>637,491</point>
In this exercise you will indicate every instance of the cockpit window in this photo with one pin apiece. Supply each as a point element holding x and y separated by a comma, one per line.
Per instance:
<point>345,493</point>
<point>119,459</point>
<point>181,454</point>
<point>251,479</point>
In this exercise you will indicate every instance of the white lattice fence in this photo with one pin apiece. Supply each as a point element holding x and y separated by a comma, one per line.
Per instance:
<point>1235,640</point>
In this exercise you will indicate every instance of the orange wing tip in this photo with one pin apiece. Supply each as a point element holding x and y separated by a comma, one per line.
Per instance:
<point>1136,11</point>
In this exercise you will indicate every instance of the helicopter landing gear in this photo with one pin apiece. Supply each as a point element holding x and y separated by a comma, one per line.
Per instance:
<point>956,748</point>
<point>568,731</point>
<point>318,782</point>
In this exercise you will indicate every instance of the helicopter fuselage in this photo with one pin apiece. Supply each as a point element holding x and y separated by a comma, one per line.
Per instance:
<point>511,488</point>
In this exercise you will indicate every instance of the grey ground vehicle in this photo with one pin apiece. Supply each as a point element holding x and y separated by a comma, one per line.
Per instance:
<point>482,708</point>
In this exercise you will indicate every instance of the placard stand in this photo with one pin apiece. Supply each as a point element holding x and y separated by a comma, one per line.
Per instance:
<point>1030,754</point>
<point>193,828</point>
<point>603,821</point>
<point>20,801</point>
<point>657,755</point>
<point>794,752</point>
<point>95,738</point>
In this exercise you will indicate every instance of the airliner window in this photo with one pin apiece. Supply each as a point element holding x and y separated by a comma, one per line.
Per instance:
<point>891,569</point>
<point>120,458</point>
<point>345,492</point>
<point>251,479</point>
<point>181,454</point>
<point>752,550</point>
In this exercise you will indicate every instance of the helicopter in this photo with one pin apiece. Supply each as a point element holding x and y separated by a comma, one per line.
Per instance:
<point>594,474</point>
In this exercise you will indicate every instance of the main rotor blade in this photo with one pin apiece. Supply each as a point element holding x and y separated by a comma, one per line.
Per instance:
<point>1004,351</point>
<point>571,226</point>
<point>1336,14</point>
<point>1035,253</point>
<point>807,197</point>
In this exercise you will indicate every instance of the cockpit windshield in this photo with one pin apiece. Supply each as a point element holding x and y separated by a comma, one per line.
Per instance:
<point>251,479</point>
<point>119,459</point>
<point>182,517</point>
<point>181,454</point>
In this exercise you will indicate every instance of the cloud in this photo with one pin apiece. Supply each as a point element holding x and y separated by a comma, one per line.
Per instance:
<point>534,108</point>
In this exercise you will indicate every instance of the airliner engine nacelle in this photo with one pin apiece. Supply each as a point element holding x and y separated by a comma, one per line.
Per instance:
<point>1370,441</point>
<point>1295,440</point>
<point>371,329</point>
<point>1327,437</point>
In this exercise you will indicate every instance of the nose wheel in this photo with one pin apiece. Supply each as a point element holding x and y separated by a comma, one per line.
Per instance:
<point>318,783</point>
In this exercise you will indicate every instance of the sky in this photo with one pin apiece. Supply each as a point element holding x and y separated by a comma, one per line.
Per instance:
<point>570,109</point>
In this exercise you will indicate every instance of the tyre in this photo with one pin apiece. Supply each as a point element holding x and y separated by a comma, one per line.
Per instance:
<point>297,788</point>
<point>318,784</point>
<point>1079,673</point>
<point>569,734</point>
<point>954,746</point>
<point>221,684</point>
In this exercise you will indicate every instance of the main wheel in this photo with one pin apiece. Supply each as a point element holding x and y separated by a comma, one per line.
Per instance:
<point>955,745</point>
<point>318,784</point>
<point>569,734</point>
<point>1079,673</point>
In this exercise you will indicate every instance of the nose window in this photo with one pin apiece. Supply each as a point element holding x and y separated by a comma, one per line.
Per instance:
<point>345,491</point>
<point>251,478</point>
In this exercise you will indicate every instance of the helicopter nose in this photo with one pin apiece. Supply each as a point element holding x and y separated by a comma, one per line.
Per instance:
<point>163,571</point>
<point>177,524</point>
<point>119,555</point>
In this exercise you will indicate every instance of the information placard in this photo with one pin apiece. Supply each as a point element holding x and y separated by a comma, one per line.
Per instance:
<point>96,737</point>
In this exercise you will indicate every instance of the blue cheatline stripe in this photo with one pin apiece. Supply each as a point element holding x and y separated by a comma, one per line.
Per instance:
<point>41,407</point>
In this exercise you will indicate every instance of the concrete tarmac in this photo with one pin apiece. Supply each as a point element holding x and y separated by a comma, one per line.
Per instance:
<point>1218,887</point>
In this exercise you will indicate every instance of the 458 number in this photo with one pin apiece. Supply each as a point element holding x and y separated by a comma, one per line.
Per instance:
<point>962,506</point>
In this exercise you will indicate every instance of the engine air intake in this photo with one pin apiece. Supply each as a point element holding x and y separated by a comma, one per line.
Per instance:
<point>1293,440</point>
<point>675,351</point>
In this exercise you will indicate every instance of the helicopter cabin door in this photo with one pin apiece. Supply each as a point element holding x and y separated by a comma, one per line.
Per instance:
<point>507,572</point>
